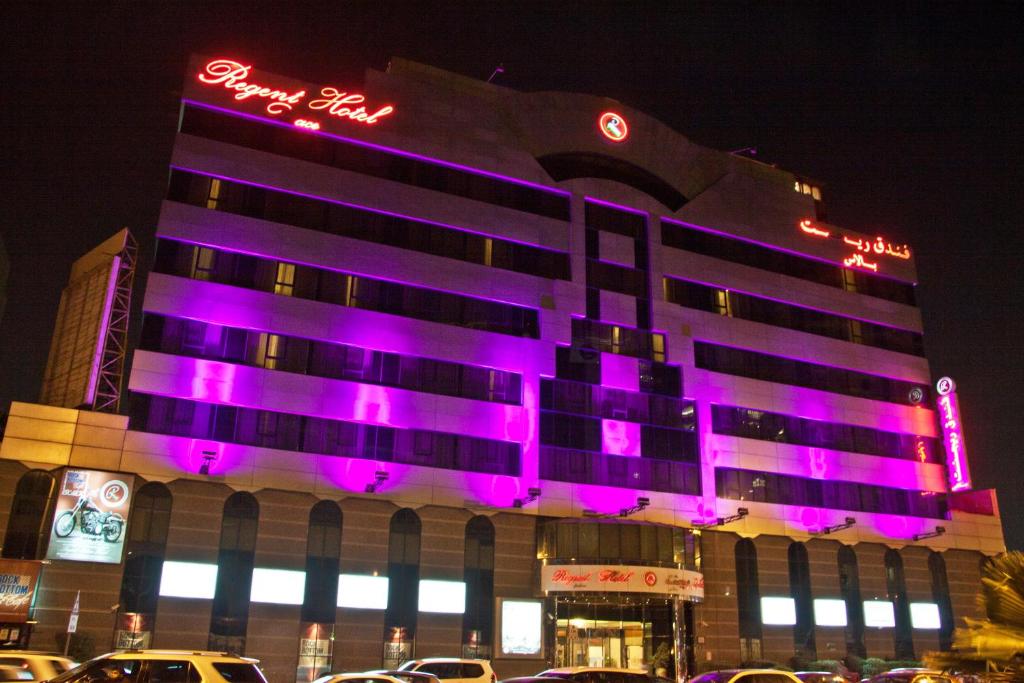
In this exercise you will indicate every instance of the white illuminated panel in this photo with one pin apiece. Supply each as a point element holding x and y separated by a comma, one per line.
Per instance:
<point>278,586</point>
<point>829,612</point>
<point>778,611</point>
<point>925,615</point>
<point>447,597</point>
<point>879,614</point>
<point>188,580</point>
<point>521,627</point>
<point>363,592</point>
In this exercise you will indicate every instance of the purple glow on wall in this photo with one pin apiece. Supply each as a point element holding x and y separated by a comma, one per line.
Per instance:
<point>620,372</point>
<point>953,436</point>
<point>620,438</point>
<point>383,148</point>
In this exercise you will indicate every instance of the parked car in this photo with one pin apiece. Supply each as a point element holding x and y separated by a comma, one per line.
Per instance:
<point>598,674</point>
<point>364,677</point>
<point>35,666</point>
<point>407,676</point>
<point>165,666</point>
<point>453,669</point>
<point>911,676</point>
<point>531,679</point>
<point>746,676</point>
<point>819,677</point>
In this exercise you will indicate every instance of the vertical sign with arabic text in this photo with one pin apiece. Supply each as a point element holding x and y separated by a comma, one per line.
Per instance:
<point>952,435</point>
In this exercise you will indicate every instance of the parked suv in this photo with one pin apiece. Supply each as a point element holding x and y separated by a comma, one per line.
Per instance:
<point>453,670</point>
<point>598,674</point>
<point>165,666</point>
<point>34,666</point>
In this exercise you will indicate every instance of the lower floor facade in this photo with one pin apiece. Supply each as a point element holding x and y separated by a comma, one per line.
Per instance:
<point>308,584</point>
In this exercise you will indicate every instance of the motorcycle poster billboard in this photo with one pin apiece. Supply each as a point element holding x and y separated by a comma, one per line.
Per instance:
<point>91,517</point>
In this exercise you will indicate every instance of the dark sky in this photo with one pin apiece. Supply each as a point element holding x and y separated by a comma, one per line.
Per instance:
<point>909,114</point>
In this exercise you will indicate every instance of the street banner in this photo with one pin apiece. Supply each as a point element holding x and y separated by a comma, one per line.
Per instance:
<point>91,516</point>
<point>18,582</point>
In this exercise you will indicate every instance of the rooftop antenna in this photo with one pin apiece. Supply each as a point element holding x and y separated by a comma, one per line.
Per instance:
<point>500,69</point>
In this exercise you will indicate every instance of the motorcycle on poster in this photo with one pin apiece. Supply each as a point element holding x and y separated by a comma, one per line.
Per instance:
<point>91,517</point>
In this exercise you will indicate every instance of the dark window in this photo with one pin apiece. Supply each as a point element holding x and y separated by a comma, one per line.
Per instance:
<point>357,292</point>
<point>352,156</point>
<point>170,671</point>
<point>896,584</point>
<point>748,597</point>
<point>230,614</point>
<point>403,573</point>
<point>628,341</point>
<point>940,594</point>
<point>647,474</point>
<point>103,671</point>
<point>746,253</point>
<point>478,574</point>
<point>610,219</point>
<point>27,530</point>
<point>239,673</point>
<point>769,312</point>
<point>800,591</point>
<point>146,546</point>
<point>323,552</point>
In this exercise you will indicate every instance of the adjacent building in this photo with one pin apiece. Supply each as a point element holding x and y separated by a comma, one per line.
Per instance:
<point>429,366</point>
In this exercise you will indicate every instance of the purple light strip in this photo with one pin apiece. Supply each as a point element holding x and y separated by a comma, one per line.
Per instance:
<point>367,209</point>
<point>384,148</point>
<point>774,247</point>
<point>804,360</point>
<point>789,303</point>
<point>619,207</point>
<point>271,257</point>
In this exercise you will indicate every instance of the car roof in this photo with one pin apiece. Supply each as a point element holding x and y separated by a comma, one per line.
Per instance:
<point>155,654</point>
<point>449,659</point>
<point>579,669</point>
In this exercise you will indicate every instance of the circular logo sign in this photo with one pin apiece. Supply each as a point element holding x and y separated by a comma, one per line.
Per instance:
<point>945,386</point>
<point>650,578</point>
<point>114,493</point>
<point>916,395</point>
<point>613,126</point>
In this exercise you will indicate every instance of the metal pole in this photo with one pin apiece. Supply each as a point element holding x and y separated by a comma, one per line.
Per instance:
<point>679,639</point>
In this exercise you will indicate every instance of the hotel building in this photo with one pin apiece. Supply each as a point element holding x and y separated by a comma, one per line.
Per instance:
<point>429,366</point>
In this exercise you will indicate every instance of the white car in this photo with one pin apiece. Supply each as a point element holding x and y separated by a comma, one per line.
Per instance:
<point>34,666</point>
<point>453,669</point>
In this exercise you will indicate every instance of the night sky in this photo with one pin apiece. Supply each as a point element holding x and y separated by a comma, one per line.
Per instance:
<point>908,114</point>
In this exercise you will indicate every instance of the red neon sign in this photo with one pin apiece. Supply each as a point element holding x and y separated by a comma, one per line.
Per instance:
<point>953,435</point>
<point>234,76</point>
<point>613,126</point>
<point>862,247</point>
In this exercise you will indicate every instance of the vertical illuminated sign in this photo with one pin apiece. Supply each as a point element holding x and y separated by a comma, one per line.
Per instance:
<point>952,435</point>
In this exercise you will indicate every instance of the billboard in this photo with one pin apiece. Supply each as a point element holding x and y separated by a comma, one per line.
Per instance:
<point>521,628</point>
<point>18,582</point>
<point>91,516</point>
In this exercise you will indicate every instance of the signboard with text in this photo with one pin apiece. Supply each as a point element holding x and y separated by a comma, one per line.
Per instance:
<point>91,517</point>
<point>18,582</point>
<point>681,583</point>
<point>952,435</point>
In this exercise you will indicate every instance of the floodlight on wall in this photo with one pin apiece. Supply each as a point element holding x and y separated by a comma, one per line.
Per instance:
<point>209,457</point>
<point>720,521</point>
<point>939,530</point>
<point>532,494</point>
<point>642,502</point>
<point>847,523</point>
<point>379,477</point>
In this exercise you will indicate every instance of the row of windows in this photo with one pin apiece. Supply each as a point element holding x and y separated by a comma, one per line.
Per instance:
<point>757,424</point>
<point>617,542</point>
<point>320,284</point>
<point>757,309</point>
<point>765,258</point>
<point>609,219</point>
<point>297,144</point>
<point>732,361</point>
<point>585,433</point>
<point>621,471</point>
<point>363,224</point>
<point>615,278</point>
<point>580,364</point>
<point>768,487</point>
<point>617,339</point>
<point>285,431</point>
<point>578,398</point>
<point>325,359</point>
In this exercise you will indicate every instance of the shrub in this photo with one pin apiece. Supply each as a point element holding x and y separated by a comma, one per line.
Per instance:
<point>830,665</point>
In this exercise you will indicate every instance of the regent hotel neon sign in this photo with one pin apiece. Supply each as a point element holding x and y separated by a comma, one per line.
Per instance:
<point>952,435</point>
<point>236,77</point>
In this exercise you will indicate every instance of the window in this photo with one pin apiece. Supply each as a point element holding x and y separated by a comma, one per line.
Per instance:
<point>214,193</point>
<point>940,594</point>
<point>26,528</point>
<point>323,552</point>
<point>103,671</point>
<point>478,574</point>
<point>170,671</point>
<point>800,590</point>
<point>896,585</point>
<point>239,673</point>
<point>230,613</point>
<point>403,573</point>
<point>205,264</point>
<point>748,596</point>
<point>146,546</point>
<point>284,283</point>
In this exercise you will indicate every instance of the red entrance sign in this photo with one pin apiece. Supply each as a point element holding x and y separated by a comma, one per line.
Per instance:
<point>236,77</point>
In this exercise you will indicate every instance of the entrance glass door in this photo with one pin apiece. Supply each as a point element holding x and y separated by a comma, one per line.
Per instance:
<point>612,630</point>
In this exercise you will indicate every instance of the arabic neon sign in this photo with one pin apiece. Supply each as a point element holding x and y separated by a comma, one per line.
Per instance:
<point>952,435</point>
<point>864,249</point>
<point>236,77</point>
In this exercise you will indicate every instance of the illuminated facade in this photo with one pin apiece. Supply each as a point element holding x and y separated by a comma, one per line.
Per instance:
<point>466,349</point>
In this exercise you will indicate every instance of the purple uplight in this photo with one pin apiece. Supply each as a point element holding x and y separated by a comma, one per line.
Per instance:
<point>620,438</point>
<point>382,148</point>
<point>766,245</point>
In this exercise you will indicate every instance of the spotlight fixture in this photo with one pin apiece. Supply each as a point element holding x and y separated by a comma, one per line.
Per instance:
<point>641,503</point>
<point>532,495</point>
<point>720,521</point>
<point>939,530</point>
<point>379,477</point>
<point>209,457</point>
<point>847,523</point>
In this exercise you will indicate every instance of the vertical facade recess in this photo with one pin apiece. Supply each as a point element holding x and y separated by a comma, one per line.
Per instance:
<point>229,618</point>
